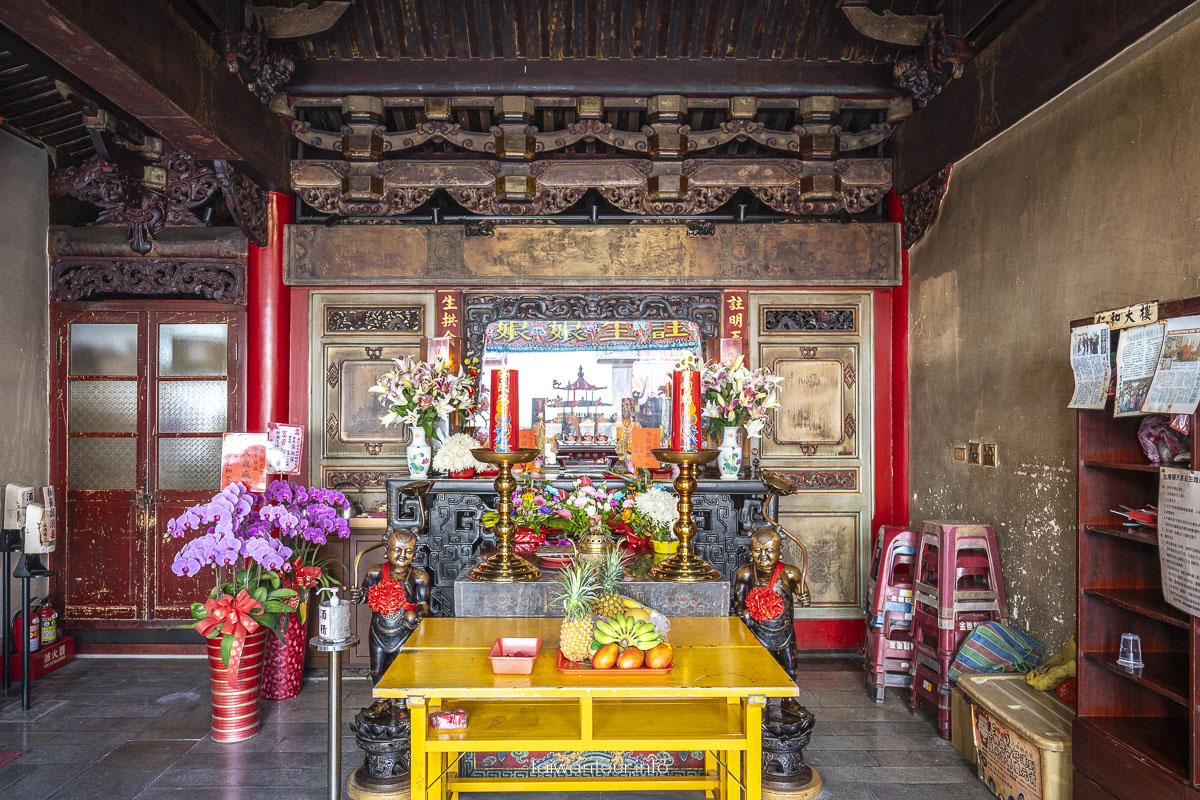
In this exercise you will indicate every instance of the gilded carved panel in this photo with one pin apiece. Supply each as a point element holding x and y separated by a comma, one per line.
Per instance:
<point>834,553</point>
<point>819,398</point>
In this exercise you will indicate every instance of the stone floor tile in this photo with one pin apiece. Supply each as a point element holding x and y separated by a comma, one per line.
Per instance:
<point>839,758</point>
<point>971,790</point>
<point>897,775</point>
<point>36,780</point>
<point>123,773</point>
<point>252,775</point>
<point>946,756</point>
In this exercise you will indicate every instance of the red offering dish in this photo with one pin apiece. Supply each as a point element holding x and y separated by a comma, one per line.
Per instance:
<point>578,668</point>
<point>514,655</point>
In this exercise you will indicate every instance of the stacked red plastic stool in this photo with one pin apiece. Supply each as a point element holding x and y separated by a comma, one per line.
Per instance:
<point>957,586</point>
<point>888,646</point>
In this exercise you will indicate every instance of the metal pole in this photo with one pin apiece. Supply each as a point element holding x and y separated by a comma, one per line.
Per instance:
<point>335,724</point>
<point>7,676</point>
<point>24,632</point>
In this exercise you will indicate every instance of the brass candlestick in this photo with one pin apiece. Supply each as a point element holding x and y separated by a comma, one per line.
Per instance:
<point>505,566</point>
<point>685,566</point>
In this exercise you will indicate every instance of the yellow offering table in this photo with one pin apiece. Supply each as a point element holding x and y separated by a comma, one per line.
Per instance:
<point>711,701</point>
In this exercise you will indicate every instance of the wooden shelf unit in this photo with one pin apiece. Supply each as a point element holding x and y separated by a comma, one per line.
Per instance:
<point>1137,733</point>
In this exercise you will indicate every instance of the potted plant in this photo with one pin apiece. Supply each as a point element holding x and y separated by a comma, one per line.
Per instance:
<point>419,394</point>
<point>655,512</point>
<point>304,518</point>
<point>248,599</point>
<point>735,396</point>
<point>454,457</point>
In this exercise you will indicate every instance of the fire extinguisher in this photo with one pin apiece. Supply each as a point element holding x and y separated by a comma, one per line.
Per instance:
<point>26,635</point>
<point>49,620</point>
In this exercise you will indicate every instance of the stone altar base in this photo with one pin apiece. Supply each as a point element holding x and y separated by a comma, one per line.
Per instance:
<point>533,598</point>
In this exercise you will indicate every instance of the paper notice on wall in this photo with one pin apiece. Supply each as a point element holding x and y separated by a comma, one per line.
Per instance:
<point>1137,358</point>
<point>285,448</point>
<point>244,460</point>
<point>1176,385</point>
<point>1179,537</point>
<point>1091,364</point>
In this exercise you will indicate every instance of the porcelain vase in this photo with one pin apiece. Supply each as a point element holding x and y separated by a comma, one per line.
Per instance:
<point>729,460</point>
<point>420,454</point>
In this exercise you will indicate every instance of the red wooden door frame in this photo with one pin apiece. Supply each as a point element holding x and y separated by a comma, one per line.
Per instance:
<point>137,569</point>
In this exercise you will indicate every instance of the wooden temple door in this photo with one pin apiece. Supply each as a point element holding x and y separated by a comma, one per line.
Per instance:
<point>140,402</point>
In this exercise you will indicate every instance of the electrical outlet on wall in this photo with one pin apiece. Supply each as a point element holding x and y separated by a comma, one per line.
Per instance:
<point>960,452</point>
<point>972,452</point>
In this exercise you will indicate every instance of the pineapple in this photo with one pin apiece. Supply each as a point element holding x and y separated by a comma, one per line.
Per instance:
<point>612,571</point>
<point>578,583</point>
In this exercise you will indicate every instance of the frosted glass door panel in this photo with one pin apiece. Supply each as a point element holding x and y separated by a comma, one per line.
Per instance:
<point>192,406</point>
<point>189,463</point>
<point>103,348</point>
<point>196,348</point>
<point>102,463</point>
<point>102,407</point>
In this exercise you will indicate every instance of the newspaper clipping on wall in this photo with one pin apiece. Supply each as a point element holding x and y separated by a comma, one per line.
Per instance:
<point>1137,358</point>
<point>1091,364</point>
<point>1176,385</point>
<point>1179,537</point>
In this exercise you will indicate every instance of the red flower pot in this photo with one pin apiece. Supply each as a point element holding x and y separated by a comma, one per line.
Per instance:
<point>235,709</point>
<point>283,674</point>
<point>469,472</point>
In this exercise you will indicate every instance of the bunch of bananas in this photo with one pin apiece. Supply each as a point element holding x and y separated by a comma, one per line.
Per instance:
<point>627,631</point>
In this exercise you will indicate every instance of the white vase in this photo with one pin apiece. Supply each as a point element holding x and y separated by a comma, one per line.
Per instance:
<point>729,458</point>
<point>420,454</point>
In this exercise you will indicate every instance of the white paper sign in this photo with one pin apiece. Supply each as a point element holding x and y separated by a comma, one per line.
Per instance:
<point>1179,537</point>
<point>285,448</point>
<point>1137,358</point>
<point>1176,385</point>
<point>1091,364</point>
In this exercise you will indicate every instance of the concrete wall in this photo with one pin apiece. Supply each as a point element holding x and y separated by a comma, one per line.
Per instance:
<point>1092,202</point>
<point>24,322</point>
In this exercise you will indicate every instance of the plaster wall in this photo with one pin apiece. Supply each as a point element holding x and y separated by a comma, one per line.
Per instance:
<point>24,323</point>
<point>1089,203</point>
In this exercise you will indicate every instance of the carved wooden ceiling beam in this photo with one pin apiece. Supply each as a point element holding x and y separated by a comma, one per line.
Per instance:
<point>146,59</point>
<point>364,135</point>
<point>639,186</point>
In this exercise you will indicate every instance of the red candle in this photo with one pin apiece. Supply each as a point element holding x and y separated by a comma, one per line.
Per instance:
<point>685,411</point>
<point>504,430</point>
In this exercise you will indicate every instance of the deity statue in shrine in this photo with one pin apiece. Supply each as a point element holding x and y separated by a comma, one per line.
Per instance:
<point>398,595</point>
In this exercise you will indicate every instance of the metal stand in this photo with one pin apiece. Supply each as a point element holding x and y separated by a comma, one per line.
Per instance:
<point>335,650</point>
<point>505,566</point>
<point>685,566</point>
<point>28,567</point>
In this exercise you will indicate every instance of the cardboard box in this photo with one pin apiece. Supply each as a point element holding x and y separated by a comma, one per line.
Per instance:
<point>962,730</point>
<point>45,659</point>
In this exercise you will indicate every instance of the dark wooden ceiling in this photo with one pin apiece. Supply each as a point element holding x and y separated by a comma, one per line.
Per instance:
<point>31,105</point>
<point>810,30</point>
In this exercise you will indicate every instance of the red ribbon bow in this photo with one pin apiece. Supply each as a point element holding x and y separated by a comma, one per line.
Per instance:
<point>302,575</point>
<point>234,614</point>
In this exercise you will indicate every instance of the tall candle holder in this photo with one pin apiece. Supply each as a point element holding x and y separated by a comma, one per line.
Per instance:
<point>685,566</point>
<point>505,566</point>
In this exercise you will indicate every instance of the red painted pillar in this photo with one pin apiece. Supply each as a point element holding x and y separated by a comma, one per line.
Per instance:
<point>900,378</point>
<point>267,322</point>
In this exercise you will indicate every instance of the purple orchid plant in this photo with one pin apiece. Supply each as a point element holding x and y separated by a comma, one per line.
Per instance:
<point>266,547</point>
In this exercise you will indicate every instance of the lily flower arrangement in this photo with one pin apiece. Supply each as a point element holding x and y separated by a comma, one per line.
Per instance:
<point>419,393</point>
<point>734,394</point>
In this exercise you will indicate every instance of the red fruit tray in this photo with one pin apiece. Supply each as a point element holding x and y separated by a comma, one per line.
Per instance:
<point>579,668</point>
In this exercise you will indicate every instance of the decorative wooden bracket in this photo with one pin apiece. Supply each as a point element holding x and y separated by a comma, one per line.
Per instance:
<point>920,206</point>
<point>246,201</point>
<point>940,61</point>
<point>695,186</point>
<point>247,56</point>
<point>164,195</point>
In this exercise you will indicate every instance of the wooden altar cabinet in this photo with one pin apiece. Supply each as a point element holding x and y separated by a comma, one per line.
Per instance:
<point>727,512</point>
